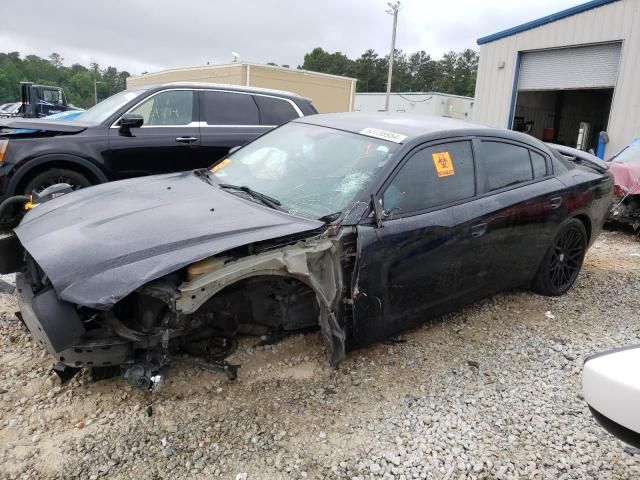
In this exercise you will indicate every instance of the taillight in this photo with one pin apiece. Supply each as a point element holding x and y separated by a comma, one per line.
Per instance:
<point>3,148</point>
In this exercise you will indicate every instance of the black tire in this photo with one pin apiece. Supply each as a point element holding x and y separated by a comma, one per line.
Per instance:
<point>563,261</point>
<point>56,175</point>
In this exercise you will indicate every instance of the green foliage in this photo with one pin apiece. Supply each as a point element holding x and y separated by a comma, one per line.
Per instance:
<point>454,73</point>
<point>76,80</point>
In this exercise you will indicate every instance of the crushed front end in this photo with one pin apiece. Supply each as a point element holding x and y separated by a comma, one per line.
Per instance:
<point>199,310</point>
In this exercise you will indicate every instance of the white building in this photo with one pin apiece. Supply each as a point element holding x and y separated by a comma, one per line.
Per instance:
<point>566,77</point>
<point>425,103</point>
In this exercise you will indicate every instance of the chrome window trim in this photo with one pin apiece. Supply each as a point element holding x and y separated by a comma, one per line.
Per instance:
<point>205,124</point>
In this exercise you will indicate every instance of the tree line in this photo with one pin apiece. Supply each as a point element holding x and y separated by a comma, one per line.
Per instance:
<point>454,73</point>
<point>76,80</point>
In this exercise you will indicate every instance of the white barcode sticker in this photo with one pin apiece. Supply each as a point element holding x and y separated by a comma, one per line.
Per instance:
<point>383,134</point>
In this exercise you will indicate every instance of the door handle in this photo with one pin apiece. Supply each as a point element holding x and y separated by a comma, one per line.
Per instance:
<point>186,139</point>
<point>555,202</point>
<point>478,229</point>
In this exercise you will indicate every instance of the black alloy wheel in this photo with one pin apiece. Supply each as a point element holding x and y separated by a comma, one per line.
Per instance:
<point>55,176</point>
<point>563,261</point>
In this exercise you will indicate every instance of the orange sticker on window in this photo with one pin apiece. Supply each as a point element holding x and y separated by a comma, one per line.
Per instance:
<point>220,165</point>
<point>443,163</point>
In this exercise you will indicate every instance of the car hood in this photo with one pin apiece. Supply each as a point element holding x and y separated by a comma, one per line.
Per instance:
<point>59,126</point>
<point>626,175</point>
<point>98,244</point>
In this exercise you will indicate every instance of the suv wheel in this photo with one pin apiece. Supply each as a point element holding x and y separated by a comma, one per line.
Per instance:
<point>54,176</point>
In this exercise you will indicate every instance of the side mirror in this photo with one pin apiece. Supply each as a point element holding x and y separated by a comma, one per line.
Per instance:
<point>378,212</point>
<point>129,121</point>
<point>611,388</point>
<point>234,149</point>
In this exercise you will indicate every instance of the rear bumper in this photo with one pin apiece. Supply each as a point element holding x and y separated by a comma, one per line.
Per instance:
<point>58,326</point>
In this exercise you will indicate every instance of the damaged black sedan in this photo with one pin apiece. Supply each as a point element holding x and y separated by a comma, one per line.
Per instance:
<point>360,225</point>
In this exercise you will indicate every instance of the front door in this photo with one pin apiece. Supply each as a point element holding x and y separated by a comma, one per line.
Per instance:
<point>168,141</point>
<point>427,257</point>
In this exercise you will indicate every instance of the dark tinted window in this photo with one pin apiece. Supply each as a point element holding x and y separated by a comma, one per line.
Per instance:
<point>539,165</point>
<point>229,108</point>
<point>432,176</point>
<point>504,165</point>
<point>274,111</point>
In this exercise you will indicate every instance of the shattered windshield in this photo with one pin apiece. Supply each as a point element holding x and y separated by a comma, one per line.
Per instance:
<point>313,171</point>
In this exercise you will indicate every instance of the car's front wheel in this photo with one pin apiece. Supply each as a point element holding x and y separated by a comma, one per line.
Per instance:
<point>563,261</point>
<point>54,176</point>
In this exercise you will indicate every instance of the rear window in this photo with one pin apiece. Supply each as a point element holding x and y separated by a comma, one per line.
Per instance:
<point>274,111</point>
<point>504,165</point>
<point>229,108</point>
<point>539,165</point>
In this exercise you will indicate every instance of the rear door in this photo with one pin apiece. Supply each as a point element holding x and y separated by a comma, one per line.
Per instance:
<point>168,141</point>
<point>228,119</point>
<point>525,207</point>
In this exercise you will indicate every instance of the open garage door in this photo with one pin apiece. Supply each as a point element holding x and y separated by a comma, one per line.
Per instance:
<point>564,95</point>
<point>594,66</point>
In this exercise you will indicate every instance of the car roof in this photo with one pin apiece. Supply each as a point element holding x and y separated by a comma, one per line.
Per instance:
<point>408,125</point>
<point>223,86</point>
<point>412,127</point>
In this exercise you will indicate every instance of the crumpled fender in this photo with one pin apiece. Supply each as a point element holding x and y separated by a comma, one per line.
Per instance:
<point>314,262</point>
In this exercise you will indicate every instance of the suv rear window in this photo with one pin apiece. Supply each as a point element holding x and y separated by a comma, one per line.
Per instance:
<point>230,108</point>
<point>274,111</point>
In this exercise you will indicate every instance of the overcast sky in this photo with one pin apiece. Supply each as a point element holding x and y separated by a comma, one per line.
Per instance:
<point>139,35</point>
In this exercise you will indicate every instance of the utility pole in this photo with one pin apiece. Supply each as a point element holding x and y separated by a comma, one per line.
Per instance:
<point>95,91</point>
<point>393,10</point>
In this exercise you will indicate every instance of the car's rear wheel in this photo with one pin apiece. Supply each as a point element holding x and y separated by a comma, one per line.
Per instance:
<point>563,261</point>
<point>55,176</point>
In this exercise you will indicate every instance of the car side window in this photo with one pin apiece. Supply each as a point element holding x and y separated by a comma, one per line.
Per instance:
<point>274,111</point>
<point>230,108</point>
<point>539,165</point>
<point>431,177</point>
<point>173,107</point>
<point>504,165</point>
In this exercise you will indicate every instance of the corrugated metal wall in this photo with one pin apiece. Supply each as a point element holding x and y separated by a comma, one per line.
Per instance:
<point>618,21</point>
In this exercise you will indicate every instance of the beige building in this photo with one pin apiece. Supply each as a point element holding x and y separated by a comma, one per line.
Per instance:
<point>566,77</point>
<point>329,93</point>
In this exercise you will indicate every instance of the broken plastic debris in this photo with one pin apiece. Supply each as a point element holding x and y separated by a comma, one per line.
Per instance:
<point>241,476</point>
<point>80,424</point>
<point>550,315</point>
<point>163,441</point>
<point>473,363</point>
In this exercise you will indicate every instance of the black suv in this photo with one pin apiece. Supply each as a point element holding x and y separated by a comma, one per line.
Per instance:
<point>141,131</point>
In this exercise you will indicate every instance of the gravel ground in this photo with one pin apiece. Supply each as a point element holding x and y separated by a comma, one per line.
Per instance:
<point>492,391</point>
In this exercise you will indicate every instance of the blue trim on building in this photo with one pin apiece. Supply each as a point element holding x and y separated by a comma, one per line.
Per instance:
<point>544,20</point>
